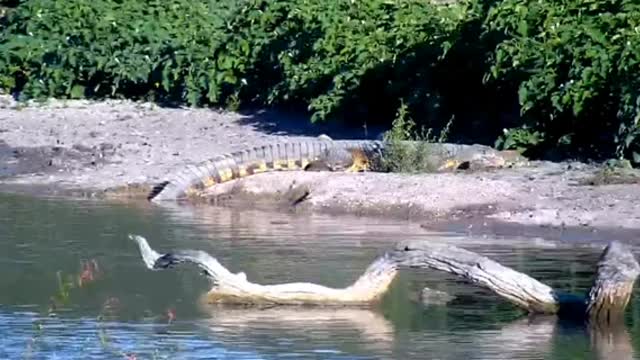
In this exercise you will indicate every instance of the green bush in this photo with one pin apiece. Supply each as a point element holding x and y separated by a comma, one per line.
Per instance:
<point>165,50</point>
<point>400,157</point>
<point>265,52</point>
<point>532,75</point>
<point>321,52</point>
<point>576,67</point>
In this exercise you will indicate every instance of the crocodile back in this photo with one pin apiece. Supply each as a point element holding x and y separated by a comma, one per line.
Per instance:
<point>195,178</point>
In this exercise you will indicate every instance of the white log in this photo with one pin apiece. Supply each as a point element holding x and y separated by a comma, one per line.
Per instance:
<point>606,302</point>
<point>516,287</point>
<point>235,288</point>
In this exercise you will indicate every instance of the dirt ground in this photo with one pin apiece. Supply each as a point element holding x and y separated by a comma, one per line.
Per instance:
<point>86,147</point>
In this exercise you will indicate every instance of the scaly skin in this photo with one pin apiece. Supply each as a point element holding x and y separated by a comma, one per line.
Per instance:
<point>332,155</point>
<point>318,154</point>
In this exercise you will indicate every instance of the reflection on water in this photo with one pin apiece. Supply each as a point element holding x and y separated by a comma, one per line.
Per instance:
<point>73,286</point>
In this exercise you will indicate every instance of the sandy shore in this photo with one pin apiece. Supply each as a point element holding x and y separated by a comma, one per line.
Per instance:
<point>96,146</point>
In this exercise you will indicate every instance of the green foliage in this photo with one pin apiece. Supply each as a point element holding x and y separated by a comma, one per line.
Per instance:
<point>62,296</point>
<point>402,157</point>
<point>320,53</point>
<point>576,67</point>
<point>164,50</point>
<point>202,52</point>
<point>519,139</point>
<point>555,74</point>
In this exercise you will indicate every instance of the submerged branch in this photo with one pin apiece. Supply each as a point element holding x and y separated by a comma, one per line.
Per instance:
<point>617,272</point>
<point>235,288</point>
<point>516,287</point>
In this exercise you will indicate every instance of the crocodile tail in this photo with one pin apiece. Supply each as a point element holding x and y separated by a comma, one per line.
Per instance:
<point>195,179</point>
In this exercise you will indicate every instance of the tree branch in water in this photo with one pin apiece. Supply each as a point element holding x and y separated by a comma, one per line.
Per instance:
<point>606,302</point>
<point>235,288</point>
<point>616,274</point>
<point>617,271</point>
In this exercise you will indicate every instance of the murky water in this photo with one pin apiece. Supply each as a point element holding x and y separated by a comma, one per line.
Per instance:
<point>121,310</point>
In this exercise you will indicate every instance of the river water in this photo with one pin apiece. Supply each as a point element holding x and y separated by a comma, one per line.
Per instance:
<point>73,286</point>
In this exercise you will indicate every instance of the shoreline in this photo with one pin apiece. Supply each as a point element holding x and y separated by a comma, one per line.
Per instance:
<point>88,149</point>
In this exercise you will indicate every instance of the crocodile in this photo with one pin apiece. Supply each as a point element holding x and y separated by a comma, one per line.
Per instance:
<point>318,154</point>
<point>321,154</point>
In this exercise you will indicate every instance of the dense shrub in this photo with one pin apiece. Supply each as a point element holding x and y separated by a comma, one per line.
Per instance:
<point>554,74</point>
<point>95,48</point>
<point>576,66</point>
<point>321,52</point>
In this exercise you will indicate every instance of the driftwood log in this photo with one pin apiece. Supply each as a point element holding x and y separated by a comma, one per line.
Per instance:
<point>235,288</point>
<point>616,273</point>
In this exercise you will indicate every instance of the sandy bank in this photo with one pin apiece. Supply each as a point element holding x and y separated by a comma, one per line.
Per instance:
<point>96,146</point>
<point>545,195</point>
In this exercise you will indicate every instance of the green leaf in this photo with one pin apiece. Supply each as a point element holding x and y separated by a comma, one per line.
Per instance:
<point>77,92</point>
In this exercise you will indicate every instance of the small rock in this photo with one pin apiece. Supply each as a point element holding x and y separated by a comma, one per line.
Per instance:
<point>435,297</point>
<point>81,148</point>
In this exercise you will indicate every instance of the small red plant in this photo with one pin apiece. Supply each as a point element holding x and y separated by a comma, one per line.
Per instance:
<point>89,272</point>
<point>171,315</point>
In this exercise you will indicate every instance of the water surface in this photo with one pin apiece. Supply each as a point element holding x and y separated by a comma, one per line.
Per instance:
<point>126,310</point>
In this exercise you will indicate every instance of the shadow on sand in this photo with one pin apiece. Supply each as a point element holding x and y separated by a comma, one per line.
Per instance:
<point>275,122</point>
